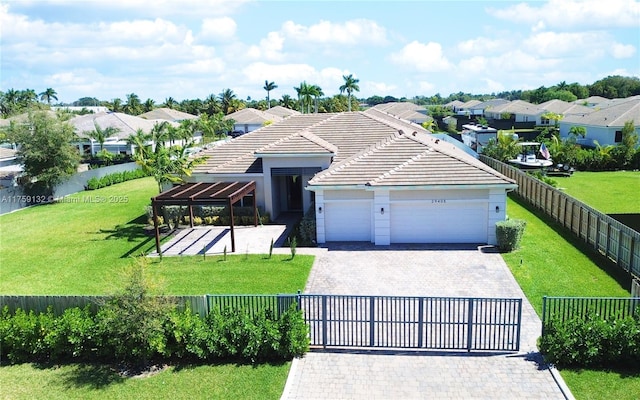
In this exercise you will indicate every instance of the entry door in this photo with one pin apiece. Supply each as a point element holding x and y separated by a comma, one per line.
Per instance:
<point>294,193</point>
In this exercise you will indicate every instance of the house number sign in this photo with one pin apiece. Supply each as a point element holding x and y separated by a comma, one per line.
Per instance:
<point>438,201</point>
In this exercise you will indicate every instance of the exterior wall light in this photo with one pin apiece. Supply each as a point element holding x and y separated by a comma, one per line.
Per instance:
<point>497,209</point>
<point>319,210</point>
<point>382,211</point>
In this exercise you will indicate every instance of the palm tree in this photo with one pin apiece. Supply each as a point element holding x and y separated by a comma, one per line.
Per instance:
<point>269,86</point>
<point>116,105</point>
<point>299,92</point>
<point>48,94</point>
<point>148,105</point>
<point>316,92</point>
<point>211,105</point>
<point>140,142</point>
<point>170,102</point>
<point>286,101</point>
<point>227,97</point>
<point>305,94</point>
<point>133,106</point>
<point>350,85</point>
<point>101,135</point>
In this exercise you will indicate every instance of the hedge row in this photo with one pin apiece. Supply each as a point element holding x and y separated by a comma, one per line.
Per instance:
<point>116,177</point>
<point>592,342</point>
<point>115,334</point>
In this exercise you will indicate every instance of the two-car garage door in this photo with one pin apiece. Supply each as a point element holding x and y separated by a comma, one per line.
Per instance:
<point>461,222</point>
<point>408,222</point>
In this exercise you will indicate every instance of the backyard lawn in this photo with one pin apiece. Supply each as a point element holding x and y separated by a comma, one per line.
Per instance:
<point>547,264</point>
<point>83,247</point>
<point>610,192</point>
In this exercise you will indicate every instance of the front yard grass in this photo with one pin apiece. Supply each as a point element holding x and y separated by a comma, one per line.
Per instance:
<point>549,264</point>
<point>85,381</point>
<point>79,248</point>
<point>83,246</point>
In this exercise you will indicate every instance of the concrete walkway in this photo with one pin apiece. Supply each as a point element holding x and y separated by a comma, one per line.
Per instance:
<point>421,271</point>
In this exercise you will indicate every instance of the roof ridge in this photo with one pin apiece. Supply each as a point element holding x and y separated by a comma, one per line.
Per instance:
<point>319,141</point>
<point>397,123</point>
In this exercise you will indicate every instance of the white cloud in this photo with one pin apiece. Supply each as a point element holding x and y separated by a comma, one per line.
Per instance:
<point>566,44</point>
<point>380,88</point>
<point>350,33</point>
<point>270,48</point>
<point>286,73</point>
<point>217,28</point>
<point>481,45</point>
<point>573,13</point>
<point>421,57</point>
<point>426,87</point>
<point>619,50</point>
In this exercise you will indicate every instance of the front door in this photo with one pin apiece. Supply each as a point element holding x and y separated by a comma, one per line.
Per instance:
<point>294,193</point>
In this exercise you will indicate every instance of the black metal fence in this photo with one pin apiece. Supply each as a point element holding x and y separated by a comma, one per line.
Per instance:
<point>451,323</point>
<point>566,308</point>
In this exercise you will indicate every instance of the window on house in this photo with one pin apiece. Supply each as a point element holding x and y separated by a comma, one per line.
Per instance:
<point>544,121</point>
<point>618,137</point>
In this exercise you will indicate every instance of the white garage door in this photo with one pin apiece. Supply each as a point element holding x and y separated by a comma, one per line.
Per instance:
<point>348,221</point>
<point>439,223</point>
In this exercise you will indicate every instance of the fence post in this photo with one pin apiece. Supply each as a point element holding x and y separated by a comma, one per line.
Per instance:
<point>519,329</point>
<point>371,320</point>
<point>470,324</point>
<point>544,312</point>
<point>299,301</point>
<point>420,320</point>
<point>324,321</point>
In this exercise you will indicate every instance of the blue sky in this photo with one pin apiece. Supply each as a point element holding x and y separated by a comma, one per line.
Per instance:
<point>192,48</point>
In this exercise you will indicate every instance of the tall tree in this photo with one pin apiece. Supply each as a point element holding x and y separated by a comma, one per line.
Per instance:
<point>269,86</point>
<point>148,105</point>
<point>140,142</point>
<point>287,101</point>
<point>170,102</point>
<point>350,85</point>
<point>133,106</point>
<point>227,98</point>
<point>316,92</point>
<point>46,150</point>
<point>101,135</point>
<point>48,94</point>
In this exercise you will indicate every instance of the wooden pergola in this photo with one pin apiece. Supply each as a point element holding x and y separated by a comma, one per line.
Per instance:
<point>204,194</point>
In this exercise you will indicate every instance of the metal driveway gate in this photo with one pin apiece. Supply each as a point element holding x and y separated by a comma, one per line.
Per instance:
<point>450,323</point>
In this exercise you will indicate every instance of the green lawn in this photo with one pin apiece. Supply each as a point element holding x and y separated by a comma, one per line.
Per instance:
<point>82,381</point>
<point>548,264</point>
<point>82,247</point>
<point>610,192</point>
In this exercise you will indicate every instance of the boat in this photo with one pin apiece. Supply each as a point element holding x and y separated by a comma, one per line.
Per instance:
<point>528,159</point>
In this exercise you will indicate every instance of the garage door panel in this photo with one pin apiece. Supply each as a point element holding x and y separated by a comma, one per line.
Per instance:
<point>348,221</point>
<point>450,223</point>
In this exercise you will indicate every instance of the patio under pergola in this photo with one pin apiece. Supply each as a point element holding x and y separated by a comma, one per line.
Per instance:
<point>204,194</point>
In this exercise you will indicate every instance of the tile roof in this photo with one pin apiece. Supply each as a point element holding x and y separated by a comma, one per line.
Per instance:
<point>454,103</point>
<point>167,114</point>
<point>251,116</point>
<point>518,107</point>
<point>613,116</point>
<point>372,148</point>
<point>126,124</point>
<point>470,103</point>
<point>564,108</point>
<point>282,112</point>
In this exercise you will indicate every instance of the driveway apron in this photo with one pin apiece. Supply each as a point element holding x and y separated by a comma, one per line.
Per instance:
<point>421,270</point>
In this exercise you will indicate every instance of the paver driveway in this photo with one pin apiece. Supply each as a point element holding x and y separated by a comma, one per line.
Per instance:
<point>421,271</point>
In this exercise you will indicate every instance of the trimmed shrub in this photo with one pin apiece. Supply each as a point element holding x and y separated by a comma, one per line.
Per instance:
<point>509,233</point>
<point>592,342</point>
<point>116,177</point>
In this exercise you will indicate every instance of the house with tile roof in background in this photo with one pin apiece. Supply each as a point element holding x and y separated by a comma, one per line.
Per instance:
<point>369,176</point>
<point>249,119</point>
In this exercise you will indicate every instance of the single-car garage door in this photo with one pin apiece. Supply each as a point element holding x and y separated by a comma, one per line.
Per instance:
<point>348,221</point>
<point>417,222</point>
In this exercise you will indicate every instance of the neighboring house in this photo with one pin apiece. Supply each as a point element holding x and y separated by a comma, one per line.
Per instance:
<point>10,167</point>
<point>592,101</point>
<point>127,125</point>
<point>249,119</point>
<point>93,109</point>
<point>372,177</point>
<point>562,108</point>
<point>520,110</point>
<point>167,114</point>
<point>282,112</point>
<point>604,125</point>
<point>454,105</point>
<point>405,110</point>
<point>468,108</point>
<point>479,109</point>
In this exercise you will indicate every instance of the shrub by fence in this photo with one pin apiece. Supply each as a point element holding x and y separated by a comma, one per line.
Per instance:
<point>151,330</point>
<point>112,179</point>
<point>604,234</point>
<point>587,332</point>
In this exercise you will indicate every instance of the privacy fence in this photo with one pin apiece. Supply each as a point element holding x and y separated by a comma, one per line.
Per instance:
<point>447,323</point>
<point>611,238</point>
